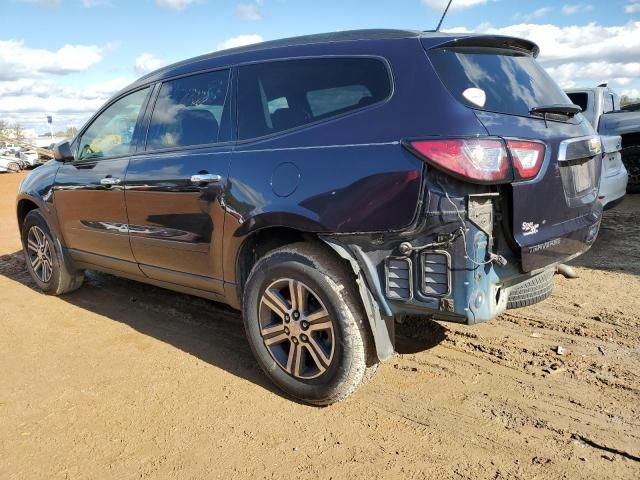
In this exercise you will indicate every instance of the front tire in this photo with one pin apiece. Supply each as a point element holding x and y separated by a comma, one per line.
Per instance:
<point>44,258</point>
<point>13,167</point>
<point>305,324</point>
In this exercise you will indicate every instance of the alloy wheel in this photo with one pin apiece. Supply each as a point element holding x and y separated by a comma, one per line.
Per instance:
<point>296,328</point>
<point>39,254</point>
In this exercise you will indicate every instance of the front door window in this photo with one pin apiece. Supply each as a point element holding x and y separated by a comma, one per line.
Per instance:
<point>111,134</point>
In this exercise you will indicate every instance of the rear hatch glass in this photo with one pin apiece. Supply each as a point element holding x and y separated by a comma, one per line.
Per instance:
<point>496,80</point>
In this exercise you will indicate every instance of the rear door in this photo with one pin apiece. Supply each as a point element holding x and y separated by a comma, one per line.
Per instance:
<point>502,85</point>
<point>174,189</point>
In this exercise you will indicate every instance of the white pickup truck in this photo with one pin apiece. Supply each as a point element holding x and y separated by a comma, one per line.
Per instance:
<point>620,132</point>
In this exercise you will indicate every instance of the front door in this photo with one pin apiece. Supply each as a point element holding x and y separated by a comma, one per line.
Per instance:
<point>89,191</point>
<point>174,189</point>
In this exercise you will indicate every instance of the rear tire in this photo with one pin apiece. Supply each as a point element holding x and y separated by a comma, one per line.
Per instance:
<point>334,342</point>
<point>13,167</point>
<point>531,291</point>
<point>631,161</point>
<point>45,261</point>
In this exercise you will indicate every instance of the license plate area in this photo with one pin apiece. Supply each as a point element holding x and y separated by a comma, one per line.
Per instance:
<point>582,177</point>
<point>579,180</point>
<point>580,162</point>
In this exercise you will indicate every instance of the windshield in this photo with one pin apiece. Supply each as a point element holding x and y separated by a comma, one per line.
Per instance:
<point>497,80</point>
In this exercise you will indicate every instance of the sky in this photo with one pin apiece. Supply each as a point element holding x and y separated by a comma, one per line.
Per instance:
<point>65,58</point>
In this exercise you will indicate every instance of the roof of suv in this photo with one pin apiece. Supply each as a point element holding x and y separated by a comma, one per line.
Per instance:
<point>345,36</point>
<point>434,37</point>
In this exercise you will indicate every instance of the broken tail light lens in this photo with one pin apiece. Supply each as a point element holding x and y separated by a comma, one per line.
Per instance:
<point>527,157</point>
<point>472,159</point>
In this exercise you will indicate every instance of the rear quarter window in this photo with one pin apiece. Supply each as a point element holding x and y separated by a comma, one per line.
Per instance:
<point>579,98</point>
<point>280,95</point>
<point>512,81</point>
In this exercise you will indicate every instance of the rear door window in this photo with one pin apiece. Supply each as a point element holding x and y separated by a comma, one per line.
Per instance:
<point>335,99</point>
<point>280,95</point>
<point>497,80</point>
<point>190,111</point>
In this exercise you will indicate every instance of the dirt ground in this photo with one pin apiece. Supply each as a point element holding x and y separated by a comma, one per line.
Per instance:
<point>122,380</point>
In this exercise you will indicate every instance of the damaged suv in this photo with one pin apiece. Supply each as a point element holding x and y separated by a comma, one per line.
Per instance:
<point>326,185</point>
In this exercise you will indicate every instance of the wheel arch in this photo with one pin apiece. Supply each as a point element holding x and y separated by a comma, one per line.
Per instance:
<point>24,206</point>
<point>27,202</point>
<point>630,139</point>
<point>257,244</point>
<point>264,240</point>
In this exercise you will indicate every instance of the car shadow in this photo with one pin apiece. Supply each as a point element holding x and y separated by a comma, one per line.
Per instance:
<point>210,331</point>
<point>419,333</point>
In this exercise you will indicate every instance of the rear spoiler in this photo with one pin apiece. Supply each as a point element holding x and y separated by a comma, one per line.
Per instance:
<point>492,41</point>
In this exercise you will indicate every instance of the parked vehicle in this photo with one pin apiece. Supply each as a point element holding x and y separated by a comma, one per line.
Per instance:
<point>9,165</point>
<point>601,106</point>
<point>614,179</point>
<point>9,148</point>
<point>326,186</point>
<point>632,107</point>
<point>30,158</point>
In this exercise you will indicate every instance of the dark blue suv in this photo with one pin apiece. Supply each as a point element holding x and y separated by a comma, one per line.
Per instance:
<point>326,185</point>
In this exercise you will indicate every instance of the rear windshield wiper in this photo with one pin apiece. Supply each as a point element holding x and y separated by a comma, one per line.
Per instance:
<point>568,109</point>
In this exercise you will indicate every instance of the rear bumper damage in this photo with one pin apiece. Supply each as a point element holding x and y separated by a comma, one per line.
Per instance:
<point>457,265</point>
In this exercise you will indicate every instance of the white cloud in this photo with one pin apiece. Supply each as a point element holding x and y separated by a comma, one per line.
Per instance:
<point>28,101</point>
<point>540,12</point>
<point>18,60</point>
<point>175,4</point>
<point>633,7</point>
<point>248,12</point>
<point>572,9</point>
<point>239,41</point>
<point>440,5</point>
<point>590,74</point>
<point>30,85</point>
<point>591,42</point>
<point>148,62</point>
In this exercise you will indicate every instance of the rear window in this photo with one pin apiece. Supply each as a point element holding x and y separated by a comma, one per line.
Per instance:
<point>496,80</point>
<point>190,111</point>
<point>280,95</point>
<point>579,98</point>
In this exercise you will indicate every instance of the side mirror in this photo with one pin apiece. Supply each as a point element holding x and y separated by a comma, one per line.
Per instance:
<point>62,152</point>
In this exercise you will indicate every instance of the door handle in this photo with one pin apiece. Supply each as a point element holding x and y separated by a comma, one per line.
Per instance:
<point>109,181</point>
<point>205,178</point>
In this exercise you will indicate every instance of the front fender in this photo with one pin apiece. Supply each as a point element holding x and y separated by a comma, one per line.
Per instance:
<point>38,188</point>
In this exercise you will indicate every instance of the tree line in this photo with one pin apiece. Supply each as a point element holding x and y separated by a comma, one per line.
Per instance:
<point>16,132</point>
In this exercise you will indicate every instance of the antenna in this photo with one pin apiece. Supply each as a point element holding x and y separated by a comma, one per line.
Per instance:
<point>443,15</point>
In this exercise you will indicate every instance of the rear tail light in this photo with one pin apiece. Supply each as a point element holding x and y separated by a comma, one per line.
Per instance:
<point>527,157</point>
<point>482,160</point>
